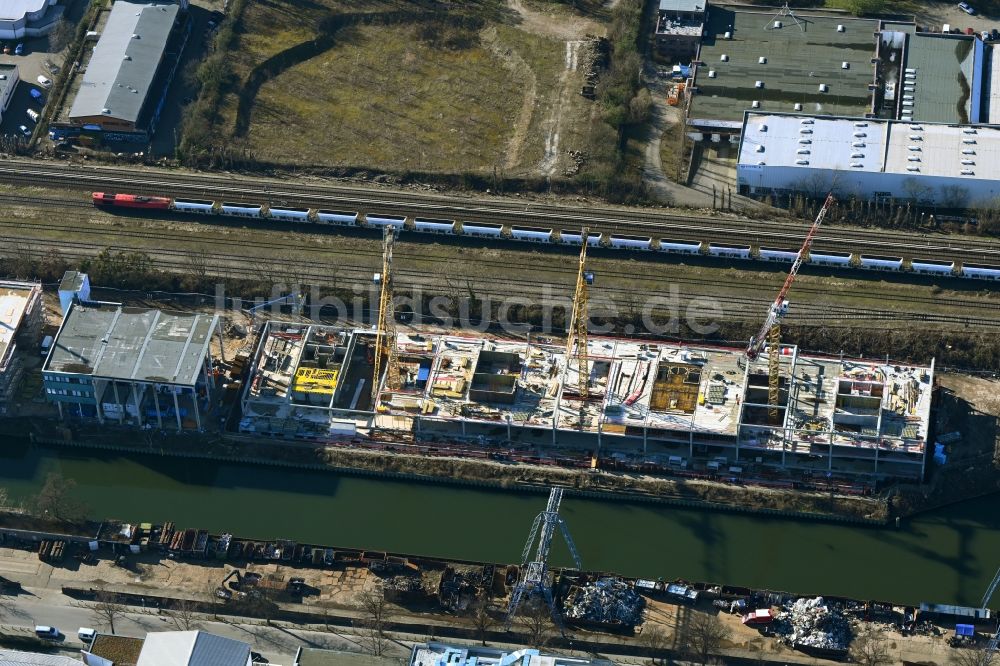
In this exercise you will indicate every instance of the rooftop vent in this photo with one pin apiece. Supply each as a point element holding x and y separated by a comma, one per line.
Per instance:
<point>857,165</point>
<point>823,87</point>
<point>798,107</point>
<point>913,148</point>
<point>969,130</point>
<point>135,35</point>
<point>3,77</point>
<point>968,141</point>
<point>127,57</point>
<point>761,163</point>
<point>711,73</point>
<point>777,24</point>
<point>805,141</point>
<point>861,124</point>
<point>802,162</point>
<point>762,60</point>
<point>758,84</point>
<point>763,127</point>
<point>908,97</point>
<point>845,65</point>
<point>755,104</point>
<point>916,128</point>
<point>913,158</point>
<point>805,130</point>
<point>968,172</point>
<point>105,110</point>
<point>909,89</point>
<point>728,35</point>
<point>760,149</point>
<point>910,70</point>
<point>968,162</point>
<point>724,58</point>
<point>968,151</point>
<point>840,27</point>
<point>859,135</point>
<point>907,102</point>
<point>857,156</point>
<point>858,144</point>
<point>807,121</point>
<point>906,117</point>
<point>916,137</point>
<point>802,151</point>
<point>913,168</point>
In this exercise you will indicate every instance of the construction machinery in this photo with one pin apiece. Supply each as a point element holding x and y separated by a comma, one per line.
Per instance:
<point>386,357</point>
<point>576,332</point>
<point>534,576</point>
<point>991,647</point>
<point>770,330</point>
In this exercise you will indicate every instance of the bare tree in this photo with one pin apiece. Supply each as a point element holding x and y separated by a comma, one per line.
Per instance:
<point>107,608</point>
<point>183,615</point>
<point>870,648</point>
<point>372,624</point>
<point>482,619</point>
<point>55,500</point>
<point>60,36</point>
<point>702,636</point>
<point>971,656</point>
<point>535,620</point>
<point>655,639</point>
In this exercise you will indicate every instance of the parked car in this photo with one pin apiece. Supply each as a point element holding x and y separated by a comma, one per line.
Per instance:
<point>36,95</point>
<point>967,8</point>
<point>24,130</point>
<point>44,82</point>
<point>45,631</point>
<point>33,115</point>
<point>19,49</point>
<point>86,634</point>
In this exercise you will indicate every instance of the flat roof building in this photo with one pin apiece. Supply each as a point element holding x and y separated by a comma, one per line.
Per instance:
<point>778,60</point>
<point>27,18</point>
<point>21,319</point>
<point>8,83</point>
<point>679,25</point>
<point>131,365</point>
<point>927,163</point>
<point>691,406</point>
<point>117,87</point>
<point>192,648</point>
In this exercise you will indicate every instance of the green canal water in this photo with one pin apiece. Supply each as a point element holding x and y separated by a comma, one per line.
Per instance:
<point>947,556</point>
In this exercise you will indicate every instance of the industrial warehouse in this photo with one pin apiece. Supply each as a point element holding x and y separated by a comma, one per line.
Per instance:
<point>694,407</point>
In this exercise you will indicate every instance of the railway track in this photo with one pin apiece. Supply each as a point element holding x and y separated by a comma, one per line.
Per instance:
<point>722,293</point>
<point>721,229</point>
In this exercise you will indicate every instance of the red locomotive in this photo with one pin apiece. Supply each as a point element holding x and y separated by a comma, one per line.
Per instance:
<point>130,201</point>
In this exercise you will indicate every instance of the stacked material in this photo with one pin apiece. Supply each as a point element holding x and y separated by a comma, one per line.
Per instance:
<point>812,623</point>
<point>605,601</point>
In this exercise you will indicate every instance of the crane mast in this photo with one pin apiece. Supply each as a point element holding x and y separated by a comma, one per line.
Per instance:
<point>385,333</point>
<point>577,329</point>
<point>770,330</point>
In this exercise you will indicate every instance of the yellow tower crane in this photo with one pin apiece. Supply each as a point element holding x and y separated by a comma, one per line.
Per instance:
<point>770,331</point>
<point>576,332</point>
<point>386,357</point>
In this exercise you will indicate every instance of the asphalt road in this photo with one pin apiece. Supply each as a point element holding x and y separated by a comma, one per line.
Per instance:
<point>278,642</point>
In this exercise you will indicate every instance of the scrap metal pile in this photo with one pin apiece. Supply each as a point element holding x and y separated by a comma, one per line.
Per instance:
<point>604,601</point>
<point>815,624</point>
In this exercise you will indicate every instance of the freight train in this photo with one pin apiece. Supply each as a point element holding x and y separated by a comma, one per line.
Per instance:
<point>526,234</point>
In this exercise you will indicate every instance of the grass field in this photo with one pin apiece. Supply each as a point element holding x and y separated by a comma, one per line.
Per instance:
<point>487,86</point>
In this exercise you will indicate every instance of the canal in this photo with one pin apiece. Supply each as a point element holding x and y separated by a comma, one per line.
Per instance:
<point>947,556</point>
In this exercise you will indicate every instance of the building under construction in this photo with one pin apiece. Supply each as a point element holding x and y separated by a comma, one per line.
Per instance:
<point>695,408</point>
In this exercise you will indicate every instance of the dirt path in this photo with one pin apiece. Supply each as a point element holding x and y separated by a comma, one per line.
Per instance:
<point>553,123</point>
<point>561,25</point>
<point>516,64</point>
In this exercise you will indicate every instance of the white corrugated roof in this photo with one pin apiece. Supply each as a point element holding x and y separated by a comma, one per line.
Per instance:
<point>889,146</point>
<point>12,10</point>
<point>192,648</point>
<point>682,5</point>
<point>18,658</point>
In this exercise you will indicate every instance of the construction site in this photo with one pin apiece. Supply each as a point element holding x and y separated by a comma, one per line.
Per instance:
<point>724,412</point>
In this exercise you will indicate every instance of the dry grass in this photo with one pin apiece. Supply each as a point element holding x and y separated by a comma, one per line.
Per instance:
<point>384,99</point>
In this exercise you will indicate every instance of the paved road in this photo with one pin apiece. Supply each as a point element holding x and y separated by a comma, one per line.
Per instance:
<point>278,642</point>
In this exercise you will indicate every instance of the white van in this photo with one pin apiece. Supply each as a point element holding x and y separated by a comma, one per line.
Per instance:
<point>86,635</point>
<point>45,631</point>
<point>44,82</point>
<point>33,115</point>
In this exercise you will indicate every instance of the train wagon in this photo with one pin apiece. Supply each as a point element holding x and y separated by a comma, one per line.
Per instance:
<point>110,199</point>
<point>200,206</point>
<point>680,246</point>
<point>482,229</point>
<point>877,263</point>
<point>631,243</point>
<point>531,234</point>
<point>730,251</point>
<point>979,272</point>
<point>336,217</point>
<point>777,254</point>
<point>376,220</point>
<point>930,267</point>
<point>433,226</point>
<point>289,214</point>
<point>830,258</point>
<point>240,209</point>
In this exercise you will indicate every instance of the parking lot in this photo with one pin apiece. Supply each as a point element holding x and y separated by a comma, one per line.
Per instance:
<point>30,66</point>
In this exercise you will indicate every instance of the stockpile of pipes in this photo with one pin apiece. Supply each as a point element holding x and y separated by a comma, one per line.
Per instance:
<point>605,601</point>
<point>813,623</point>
